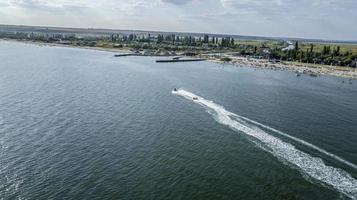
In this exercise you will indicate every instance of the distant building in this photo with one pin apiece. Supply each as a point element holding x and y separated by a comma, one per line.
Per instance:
<point>205,45</point>
<point>290,46</point>
<point>148,52</point>
<point>266,51</point>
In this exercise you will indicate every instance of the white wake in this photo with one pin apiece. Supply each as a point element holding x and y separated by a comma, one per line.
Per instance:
<point>314,167</point>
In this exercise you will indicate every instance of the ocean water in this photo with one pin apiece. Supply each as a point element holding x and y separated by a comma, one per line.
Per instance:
<point>83,124</point>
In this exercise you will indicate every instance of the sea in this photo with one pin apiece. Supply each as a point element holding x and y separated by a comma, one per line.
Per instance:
<point>83,124</point>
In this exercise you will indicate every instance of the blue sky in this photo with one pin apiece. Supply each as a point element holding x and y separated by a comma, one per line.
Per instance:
<point>325,19</point>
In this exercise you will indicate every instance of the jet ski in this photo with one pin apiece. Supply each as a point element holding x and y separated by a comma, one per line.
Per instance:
<point>175,90</point>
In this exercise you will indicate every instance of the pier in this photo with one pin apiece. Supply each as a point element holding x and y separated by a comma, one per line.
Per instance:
<point>179,60</point>
<point>125,54</point>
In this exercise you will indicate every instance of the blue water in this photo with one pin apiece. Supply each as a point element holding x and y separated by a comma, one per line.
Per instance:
<point>83,124</point>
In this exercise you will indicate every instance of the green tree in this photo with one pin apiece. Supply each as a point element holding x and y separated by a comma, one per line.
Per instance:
<point>337,51</point>
<point>311,48</point>
<point>296,46</point>
<point>205,39</point>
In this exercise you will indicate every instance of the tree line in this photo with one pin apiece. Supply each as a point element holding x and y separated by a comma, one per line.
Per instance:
<point>327,56</point>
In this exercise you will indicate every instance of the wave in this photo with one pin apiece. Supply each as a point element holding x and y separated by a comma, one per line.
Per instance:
<point>301,142</point>
<point>313,167</point>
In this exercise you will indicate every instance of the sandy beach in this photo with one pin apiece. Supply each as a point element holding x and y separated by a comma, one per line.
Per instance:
<point>299,68</point>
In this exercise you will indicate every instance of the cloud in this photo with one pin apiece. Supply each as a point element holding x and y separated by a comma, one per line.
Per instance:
<point>177,2</point>
<point>51,5</point>
<point>291,5</point>
<point>80,4</point>
<point>4,4</point>
<point>301,18</point>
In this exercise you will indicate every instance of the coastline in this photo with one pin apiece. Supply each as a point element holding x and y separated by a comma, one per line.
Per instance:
<point>67,46</point>
<point>237,61</point>
<point>299,68</point>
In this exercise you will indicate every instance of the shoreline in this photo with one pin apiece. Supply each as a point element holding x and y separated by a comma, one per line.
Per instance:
<point>237,61</point>
<point>67,46</point>
<point>299,68</point>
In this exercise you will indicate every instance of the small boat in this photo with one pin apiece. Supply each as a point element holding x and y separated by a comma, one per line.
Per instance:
<point>175,90</point>
<point>195,98</point>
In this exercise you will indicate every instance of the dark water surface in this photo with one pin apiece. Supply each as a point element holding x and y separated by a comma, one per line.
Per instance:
<point>82,124</point>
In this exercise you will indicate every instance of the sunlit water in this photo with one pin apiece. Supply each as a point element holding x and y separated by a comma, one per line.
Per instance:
<point>82,124</point>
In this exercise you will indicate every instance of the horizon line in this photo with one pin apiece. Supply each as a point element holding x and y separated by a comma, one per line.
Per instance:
<point>258,37</point>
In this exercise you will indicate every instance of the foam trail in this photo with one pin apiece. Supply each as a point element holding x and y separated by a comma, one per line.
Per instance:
<point>302,142</point>
<point>312,166</point>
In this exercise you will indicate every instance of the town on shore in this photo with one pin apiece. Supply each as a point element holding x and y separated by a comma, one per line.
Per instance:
<point>305,56</point>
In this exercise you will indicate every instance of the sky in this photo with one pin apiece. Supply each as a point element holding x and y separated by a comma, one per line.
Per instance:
<point>317,19</point>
